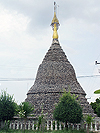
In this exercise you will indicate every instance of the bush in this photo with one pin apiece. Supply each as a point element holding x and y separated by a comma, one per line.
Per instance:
<point>96,106</point>
<point>68,109</point>
<point>7,107</point>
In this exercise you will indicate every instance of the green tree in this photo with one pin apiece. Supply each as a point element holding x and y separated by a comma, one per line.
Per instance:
<point>97,92</point>
<point>98,110</point>
<point>7,107</point>
<point>88,119</point>
<point>68,109</point>
<point>96,105</point>
<point>25,109</point>
<point>41,121</point>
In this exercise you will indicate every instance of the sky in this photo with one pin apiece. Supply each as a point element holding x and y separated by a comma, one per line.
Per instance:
<point>26,36</point>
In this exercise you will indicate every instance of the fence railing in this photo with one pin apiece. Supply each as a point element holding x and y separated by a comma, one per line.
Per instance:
<point>52,125</point>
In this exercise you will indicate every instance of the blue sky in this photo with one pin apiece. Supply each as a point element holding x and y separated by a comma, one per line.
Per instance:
<point>26,35</point>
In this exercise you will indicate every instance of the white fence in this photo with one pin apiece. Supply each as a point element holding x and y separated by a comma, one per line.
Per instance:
<point>49,125</point>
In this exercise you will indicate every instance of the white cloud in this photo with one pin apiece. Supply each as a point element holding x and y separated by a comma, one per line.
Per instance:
<point>12,22</point>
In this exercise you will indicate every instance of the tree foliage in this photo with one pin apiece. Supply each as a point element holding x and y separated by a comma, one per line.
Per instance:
<point>25,109</point>
<point>98,110</point>
<point>88,119</point>
<point>97,92</point>
<point>96,106</point>
<point>7,106</point>
<point>68,109</point>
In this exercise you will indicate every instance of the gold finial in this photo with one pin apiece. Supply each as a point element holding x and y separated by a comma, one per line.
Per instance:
<point>55,34</point>
<point>55,23</point>
<point>55,20</point>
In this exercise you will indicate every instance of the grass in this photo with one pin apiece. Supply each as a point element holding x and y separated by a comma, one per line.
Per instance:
<point>30,131</point>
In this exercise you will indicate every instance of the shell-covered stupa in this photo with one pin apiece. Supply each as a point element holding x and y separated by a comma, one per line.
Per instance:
<point>54,74</point>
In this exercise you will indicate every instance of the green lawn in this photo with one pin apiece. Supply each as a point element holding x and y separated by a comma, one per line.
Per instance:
<point>63,131</point>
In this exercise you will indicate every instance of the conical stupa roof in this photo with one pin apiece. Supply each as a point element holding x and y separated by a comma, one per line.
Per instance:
<point>56,73</point>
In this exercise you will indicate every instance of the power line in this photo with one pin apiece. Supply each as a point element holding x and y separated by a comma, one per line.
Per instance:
<point>16,79</point>
<point>88,76</point>
<point>8,66</point>
<point>26,79</point>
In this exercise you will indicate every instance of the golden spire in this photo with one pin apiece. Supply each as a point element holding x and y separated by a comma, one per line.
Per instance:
<point>55,23</point>
<point>55,34</point>
<point>55,20</point>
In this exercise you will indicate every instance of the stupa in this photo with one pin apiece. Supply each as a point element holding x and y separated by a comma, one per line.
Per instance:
<point>54,74</point>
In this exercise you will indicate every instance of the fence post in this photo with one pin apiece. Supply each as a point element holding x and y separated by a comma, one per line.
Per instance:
<point>77,126</point>
<point>29,125</point>
<point>95,126</point>
<point>68,125</point>
<point>86,126</point>
<point>59,125</point>
<point>14,125</point>
<point>24,125</point>
<point>55,125</point>
<point>10,124</point>
<point>47,125</point>
<point>73,127</point>
<point>99,125</point>
<point>64,125</point>
<point>91,126</point>
<point>33,125</point>
<point>51,125</point>
<point>17,124</point>
<point>37,126</point>
<point>21,125</point>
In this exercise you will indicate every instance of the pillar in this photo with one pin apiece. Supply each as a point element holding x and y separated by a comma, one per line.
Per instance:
<point>59,125</point>
<point>14,125</point>
<point>37,126</point>
<point>47,125</point>
<point>64,125</point>
<point>95,126</point>
<point>29,125</point>
<point>10,124</point>
<point>33,126</point>
<point>77,126</point>
<point>51,125</point>
<point>21,126</point>
<point>91,127</point>
<point>17,124</point>
<point>86,126</point>
<point>73,127</point>
<point>55,125</point>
